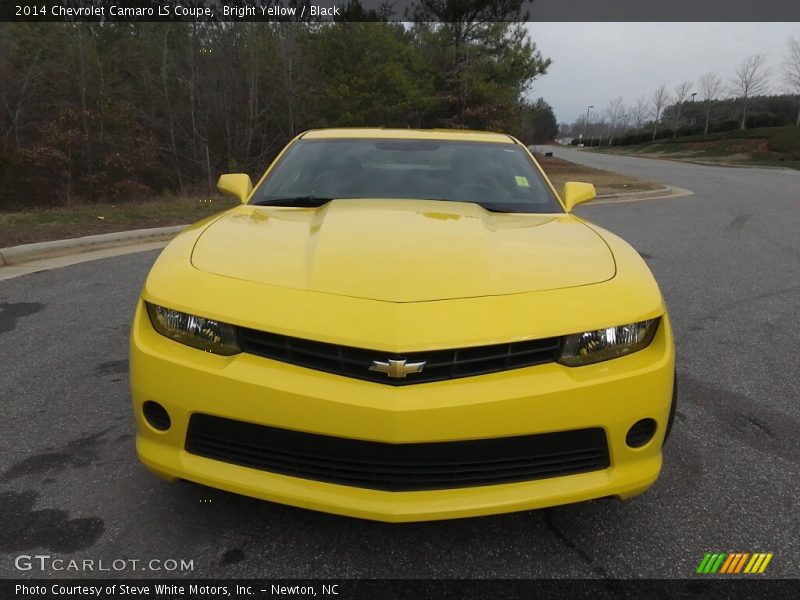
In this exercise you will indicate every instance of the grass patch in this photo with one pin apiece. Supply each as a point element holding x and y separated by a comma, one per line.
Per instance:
<point>766,146</point>
<point>44,224</point>
<point>559,171</point>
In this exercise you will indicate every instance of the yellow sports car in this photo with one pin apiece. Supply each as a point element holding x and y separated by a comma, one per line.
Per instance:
<point>403,325</point>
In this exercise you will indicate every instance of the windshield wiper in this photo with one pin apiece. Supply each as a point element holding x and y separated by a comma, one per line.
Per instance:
<point>312,201</point>
<point>309,201</point>
<point>498,208</point>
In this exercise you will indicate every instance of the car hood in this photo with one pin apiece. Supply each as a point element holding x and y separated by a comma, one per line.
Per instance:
<point>403,250</point>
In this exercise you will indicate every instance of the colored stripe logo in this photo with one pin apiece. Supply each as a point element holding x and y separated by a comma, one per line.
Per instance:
<point>734,563</point>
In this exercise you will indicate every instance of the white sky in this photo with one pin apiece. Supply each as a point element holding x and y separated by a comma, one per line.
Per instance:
<point>593,63</point>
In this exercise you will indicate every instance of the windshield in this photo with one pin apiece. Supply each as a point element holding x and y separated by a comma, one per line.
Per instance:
<point>499,177</point>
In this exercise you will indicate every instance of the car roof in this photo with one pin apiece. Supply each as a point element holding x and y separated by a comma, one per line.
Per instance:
<point>408,134</point>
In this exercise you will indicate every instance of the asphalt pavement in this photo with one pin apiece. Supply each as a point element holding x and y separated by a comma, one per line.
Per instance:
<point>728,262</point>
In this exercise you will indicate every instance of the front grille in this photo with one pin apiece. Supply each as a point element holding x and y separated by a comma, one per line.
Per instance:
<point>439,364</point>
<point>397,467</point>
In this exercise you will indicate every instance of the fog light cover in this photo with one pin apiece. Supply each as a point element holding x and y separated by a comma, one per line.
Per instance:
<point>604,344</point>
<point>156,415</point>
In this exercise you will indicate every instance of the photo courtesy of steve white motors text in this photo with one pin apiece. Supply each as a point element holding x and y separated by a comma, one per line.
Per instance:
<point>173,590</point>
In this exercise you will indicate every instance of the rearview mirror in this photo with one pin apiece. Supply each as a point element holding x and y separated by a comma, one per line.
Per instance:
<point>576,192</point>
<point>237,185</point>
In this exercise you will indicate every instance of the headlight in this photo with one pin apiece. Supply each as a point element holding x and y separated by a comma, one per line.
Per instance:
<point>603,344</point>
<point>204,334</point>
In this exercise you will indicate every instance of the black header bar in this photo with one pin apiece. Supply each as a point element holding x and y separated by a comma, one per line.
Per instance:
<point>710,588</point>
<point>234,11</point>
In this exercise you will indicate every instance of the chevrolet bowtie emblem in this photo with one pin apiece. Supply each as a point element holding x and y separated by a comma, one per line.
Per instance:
<point>397,368</point>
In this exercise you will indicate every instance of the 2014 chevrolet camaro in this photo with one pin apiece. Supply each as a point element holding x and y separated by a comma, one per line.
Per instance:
<point>403,325</point>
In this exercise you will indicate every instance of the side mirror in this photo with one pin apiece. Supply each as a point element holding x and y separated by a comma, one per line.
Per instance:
<point>237,185</point>
<point>576,192</point>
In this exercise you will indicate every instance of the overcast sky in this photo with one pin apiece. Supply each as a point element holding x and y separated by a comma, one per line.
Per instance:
<point>593,63</point>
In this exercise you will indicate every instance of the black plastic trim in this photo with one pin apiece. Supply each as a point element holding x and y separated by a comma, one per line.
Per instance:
<point>397,467</point>
<point>440,365</point>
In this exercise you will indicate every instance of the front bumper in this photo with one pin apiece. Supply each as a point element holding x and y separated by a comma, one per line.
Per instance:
<point>612,395</point>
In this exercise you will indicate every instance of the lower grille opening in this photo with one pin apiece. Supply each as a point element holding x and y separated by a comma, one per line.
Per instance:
<point>397,467</point>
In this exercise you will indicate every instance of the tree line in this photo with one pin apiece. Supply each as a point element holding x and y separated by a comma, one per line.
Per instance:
<point>704,106</point>
<point>123,111</point>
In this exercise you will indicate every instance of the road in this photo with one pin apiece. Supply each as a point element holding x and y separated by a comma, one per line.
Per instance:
<point>728,261</point>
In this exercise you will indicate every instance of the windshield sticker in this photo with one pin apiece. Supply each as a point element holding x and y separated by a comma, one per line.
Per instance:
<point>522,181</point>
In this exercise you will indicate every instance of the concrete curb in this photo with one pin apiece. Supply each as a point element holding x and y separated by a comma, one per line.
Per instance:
<point>670,191</point>
<point>728,165</point>
<point>643,194</point>
<point>27,252</point>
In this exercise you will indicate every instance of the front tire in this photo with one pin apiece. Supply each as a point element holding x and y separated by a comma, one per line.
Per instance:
<point>672,409</point>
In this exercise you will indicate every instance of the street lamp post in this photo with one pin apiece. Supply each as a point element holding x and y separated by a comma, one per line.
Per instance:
<point>586,123</point>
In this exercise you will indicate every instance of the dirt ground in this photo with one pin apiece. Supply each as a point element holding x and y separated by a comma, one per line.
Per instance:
<point>605,182</point>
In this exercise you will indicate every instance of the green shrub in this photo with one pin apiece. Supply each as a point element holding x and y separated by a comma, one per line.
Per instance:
<point>786,140</point>
<point>729,125</point>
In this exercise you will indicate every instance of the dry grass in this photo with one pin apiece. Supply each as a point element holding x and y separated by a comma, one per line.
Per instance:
<point>779,150</point>
<point>41,225</point>
<point>560,171</point>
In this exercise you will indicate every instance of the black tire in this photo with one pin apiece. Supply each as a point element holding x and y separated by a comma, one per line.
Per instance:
<point>672,409</point>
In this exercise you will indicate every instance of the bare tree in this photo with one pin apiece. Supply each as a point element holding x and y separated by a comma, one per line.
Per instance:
<point>658,101</point>
<point>13,93</point>
<point>710,89</point>
<point>791,71</point>
<point>623,124</point>
<point>168,103</point>
<point>751,79</point>
<point>615,113</point>
<point>681,92</point>
<point>638,112</point>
